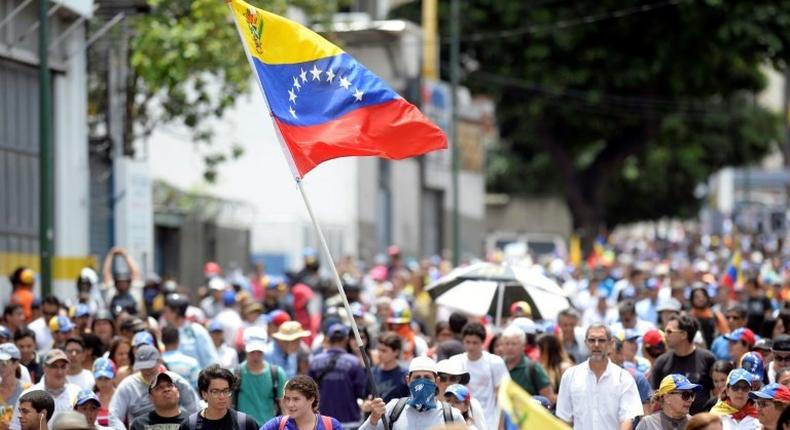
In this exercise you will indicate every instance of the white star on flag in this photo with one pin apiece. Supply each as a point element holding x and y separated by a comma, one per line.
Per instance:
<point>303,75</point>
<point>296,83</point>
<point>293,112</point>
<point>345,83</point>
<point>330,75</point>
<point>291,96</point>
<point>358,95</point>
<point>316,73</point>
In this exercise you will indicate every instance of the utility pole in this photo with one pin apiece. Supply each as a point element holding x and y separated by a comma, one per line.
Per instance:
<point>455,54</point>
<point>45,233</point>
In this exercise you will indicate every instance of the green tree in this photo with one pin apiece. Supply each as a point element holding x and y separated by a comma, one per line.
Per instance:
<point>187,65</point>
<point>621,106</point>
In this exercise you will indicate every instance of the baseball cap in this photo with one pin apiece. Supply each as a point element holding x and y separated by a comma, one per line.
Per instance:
<point>159,378</point>
<point>146,357</point>
<point>754,364</point>
<point>103,368</point>
<point>337,331</point>
<point>422,364</point>
<point>652,284</point>
<point>521,308</point>
<point>11,350</point>
<point>216,283</point>
<point>229,298</point>
<point>133,324</point>
<point>669,304</point>
<point>631,335</point>
<point>527,325</point>
<point>214,326</point>
<point>54,355</point>
<point>763,345</point>
<point>142,338</point>
<point>85,396</point>
<point>277,317</point>
<point>653,337</point>
<point>738,375</point>
<point>60,324</point>
<point>255,339</point>
<point>775,391</point>
<point>82,310</point>
<point>677,382</point>
<point>741,334</point>
<point>103,314</point>
<point>459,391</point>
<point>781,343</point>
<point>5,332</point>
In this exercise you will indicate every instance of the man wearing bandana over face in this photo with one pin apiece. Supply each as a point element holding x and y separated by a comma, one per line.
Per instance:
<point>421,410</point>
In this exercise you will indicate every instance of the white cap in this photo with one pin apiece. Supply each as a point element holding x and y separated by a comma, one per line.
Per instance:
<point>255,338</point>
<point>422,364</point>
<point>527,325</point>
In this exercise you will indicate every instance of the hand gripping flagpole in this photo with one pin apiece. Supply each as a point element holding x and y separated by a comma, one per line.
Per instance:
<point>324,247</point>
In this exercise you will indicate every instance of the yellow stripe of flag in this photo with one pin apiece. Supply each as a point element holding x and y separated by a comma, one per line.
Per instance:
<point>277,40</point>
<point>524,412</point>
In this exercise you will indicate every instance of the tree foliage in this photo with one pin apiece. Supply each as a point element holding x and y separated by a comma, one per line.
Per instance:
<point>621,106</point>
<point>188,66</point>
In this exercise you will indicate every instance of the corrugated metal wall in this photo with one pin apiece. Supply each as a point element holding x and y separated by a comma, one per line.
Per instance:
<point>19,176</point>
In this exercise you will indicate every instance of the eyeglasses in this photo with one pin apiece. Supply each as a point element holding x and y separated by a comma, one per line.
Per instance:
<point>733,317</point>
<point>744,388</point>
<point>784,358</point>
<point>220,393</point>
<point>73,351</point>
<point>597,341</point>
<point>685,395</point>
<point>449,378</point>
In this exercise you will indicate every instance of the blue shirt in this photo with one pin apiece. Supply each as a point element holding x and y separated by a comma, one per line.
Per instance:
<point>274,424</point>
<point>340,385</point>
<point>194,341</point>
<point>721,348</point>
<point>275,355</point>
<point>391,384</point>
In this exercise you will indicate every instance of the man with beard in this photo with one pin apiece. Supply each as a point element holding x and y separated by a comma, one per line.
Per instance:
<point>598,394</point>
<point>685,358</point>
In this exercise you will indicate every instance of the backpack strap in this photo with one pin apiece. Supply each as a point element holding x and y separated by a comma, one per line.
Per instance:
<point>283,422</point>
<point>239,420</point>
<point>275,389</point>
<point>327,422</point>
<point>447,412</point>
<point>396,411</point>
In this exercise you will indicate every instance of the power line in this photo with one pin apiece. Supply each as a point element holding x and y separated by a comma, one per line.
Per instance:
<point>572,22</point>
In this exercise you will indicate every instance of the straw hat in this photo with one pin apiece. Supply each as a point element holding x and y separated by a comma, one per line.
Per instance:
<point>290,330</point>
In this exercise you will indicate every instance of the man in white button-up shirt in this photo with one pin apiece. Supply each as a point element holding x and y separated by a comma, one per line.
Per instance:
<point>598,394</point>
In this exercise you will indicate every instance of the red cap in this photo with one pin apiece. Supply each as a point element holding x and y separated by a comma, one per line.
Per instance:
<point>653,337</point>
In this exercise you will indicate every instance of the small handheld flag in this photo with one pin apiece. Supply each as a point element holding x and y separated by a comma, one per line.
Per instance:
<point>324,103</point>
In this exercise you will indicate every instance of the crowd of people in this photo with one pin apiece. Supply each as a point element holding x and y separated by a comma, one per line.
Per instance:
<point>688,333</point>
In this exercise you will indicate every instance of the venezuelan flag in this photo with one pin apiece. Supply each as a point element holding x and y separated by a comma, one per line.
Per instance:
<point>325,104</point>
<point>522,413</point>
<point>734,275</point>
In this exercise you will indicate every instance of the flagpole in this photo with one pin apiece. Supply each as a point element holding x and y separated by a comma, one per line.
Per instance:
<point>316,226</point>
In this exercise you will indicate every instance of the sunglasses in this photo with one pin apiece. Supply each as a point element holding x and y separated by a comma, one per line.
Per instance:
<point>685,395</point>
<point>741,387</point>
<point>449,378</point>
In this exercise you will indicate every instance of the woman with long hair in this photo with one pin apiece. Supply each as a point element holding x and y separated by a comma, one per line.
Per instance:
<point>104,374</point>
<point>553,358</point>
<point>300,408</point>
<point>718,373</point>
<point>121,354</point>
<point>734,407</point>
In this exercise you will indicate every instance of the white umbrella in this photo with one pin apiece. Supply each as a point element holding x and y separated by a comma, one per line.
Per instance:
<point>486,288</point>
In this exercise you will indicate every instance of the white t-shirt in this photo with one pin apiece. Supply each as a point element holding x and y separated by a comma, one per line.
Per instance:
<point>84,379</point>
<point>485,376</point>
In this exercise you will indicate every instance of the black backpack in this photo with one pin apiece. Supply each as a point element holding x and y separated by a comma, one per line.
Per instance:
<point>447,412</point>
